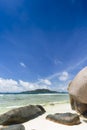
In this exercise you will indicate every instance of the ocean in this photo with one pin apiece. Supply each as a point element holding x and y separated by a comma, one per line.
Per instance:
<point>10,101</point>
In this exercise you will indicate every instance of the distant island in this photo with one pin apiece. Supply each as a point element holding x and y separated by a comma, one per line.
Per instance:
<point>38,91</point>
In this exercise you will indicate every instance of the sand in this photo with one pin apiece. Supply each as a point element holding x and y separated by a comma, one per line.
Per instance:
<point>41,123</point>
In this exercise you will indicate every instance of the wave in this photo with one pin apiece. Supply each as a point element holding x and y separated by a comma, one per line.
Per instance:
<point>13,106</point>
<point>52,94</point>
<point>1,95</point>
<point>55,103</point>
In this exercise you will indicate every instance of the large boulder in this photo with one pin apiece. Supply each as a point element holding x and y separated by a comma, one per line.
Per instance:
<point>21,115</point>
<point>78,86</point>
<point>13,127</point>
<point>64,118</point>
<point>78,92</point>
<point>78,106</point>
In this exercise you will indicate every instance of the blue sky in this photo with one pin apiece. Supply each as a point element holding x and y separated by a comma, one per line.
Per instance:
<point>43,43</point>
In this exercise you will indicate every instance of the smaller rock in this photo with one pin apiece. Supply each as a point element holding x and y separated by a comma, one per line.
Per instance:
<point>65,118</point>
<point>13,127</point>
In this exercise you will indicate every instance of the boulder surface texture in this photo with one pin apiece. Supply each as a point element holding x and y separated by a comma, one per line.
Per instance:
<point>78,92</point>
<point>13,127</point>
<point>64,118</point>
<point>78,86</point>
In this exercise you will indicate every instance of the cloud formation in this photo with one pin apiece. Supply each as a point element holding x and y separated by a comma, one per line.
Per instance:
<point>56,81</point>
<point>56,62</point>
<point>10,85</point>
<point>44,81</point>
<point>79,63</point>
<point>64,76</point>
<point>22,64</point>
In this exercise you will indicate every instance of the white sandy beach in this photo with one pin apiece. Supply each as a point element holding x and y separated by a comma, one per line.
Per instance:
<point>41,123</point>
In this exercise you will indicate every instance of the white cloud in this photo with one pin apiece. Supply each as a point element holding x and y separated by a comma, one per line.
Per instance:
<point>22,64</point>
<point>64,76</point>
<point>9,85</point>
<point>7,82</point>
<point>27,85</point>
<point>24,84</point>
<point>44,81</point>
<point>53,76</point>
<point>56,62</point>
<point>31,86</point>
<point>61,88</point>
<point>47,82</point>
<point>78,64</point>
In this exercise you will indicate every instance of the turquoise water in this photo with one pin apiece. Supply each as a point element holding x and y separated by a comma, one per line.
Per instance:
<point>9,101</point>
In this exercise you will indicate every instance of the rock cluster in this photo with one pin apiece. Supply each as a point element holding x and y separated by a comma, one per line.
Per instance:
<point>16,116</point>
<point>77,89</point>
